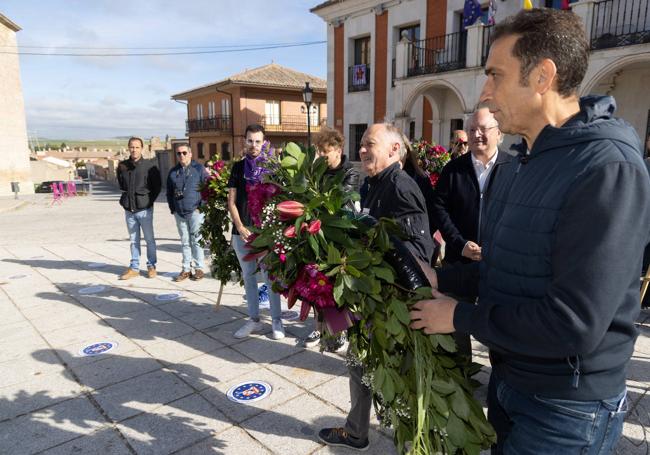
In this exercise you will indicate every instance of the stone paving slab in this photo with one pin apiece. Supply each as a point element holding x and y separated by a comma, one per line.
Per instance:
<point>104,442</point>
<point>175,426</point>
<point>166,381</point>
<point>141,394</point>
<point>47,428</point>
<point>234,441</point>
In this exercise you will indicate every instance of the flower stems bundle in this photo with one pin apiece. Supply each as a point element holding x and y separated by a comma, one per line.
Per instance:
<point>338,263</point>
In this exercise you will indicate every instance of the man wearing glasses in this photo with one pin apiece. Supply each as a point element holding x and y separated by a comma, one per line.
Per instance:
<point>184,198</point>
<point>459,196</point>
<point>463,183</point>
<point>139,180</point>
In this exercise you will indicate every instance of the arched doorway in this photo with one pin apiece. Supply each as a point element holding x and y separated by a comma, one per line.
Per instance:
<point>436,108</point>
<point>624,79</point>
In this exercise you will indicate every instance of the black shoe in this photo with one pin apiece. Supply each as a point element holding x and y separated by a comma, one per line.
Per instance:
<point>338,437</point>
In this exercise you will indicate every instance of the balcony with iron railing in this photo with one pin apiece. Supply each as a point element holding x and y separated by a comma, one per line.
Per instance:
<point>438,54</point>
<point>617,23</point>
<point>291,123</point>
<point>220,123</point>
<point>358,78</point>
<point>608,23</point>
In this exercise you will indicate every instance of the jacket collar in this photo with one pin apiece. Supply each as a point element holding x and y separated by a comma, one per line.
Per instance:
<point>385,174</point>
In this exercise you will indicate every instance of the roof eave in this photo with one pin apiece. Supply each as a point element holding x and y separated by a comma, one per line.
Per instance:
<point>8,23</point>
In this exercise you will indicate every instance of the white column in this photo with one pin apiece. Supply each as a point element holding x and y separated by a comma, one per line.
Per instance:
<point>474,45</point>
<point>585,9</point>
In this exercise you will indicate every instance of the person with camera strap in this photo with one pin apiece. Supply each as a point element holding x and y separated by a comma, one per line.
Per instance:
<point>184,198</point>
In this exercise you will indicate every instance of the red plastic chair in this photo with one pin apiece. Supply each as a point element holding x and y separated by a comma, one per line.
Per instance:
<point>56,194</point>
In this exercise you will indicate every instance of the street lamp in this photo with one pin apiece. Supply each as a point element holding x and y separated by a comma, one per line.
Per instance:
<point>306,97</point>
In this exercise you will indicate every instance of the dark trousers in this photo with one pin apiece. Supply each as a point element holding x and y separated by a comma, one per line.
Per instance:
<point>358,422</point>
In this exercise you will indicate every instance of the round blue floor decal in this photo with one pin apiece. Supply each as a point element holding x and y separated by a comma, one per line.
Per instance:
<point>168,297</point>
<point>101,347</point>
<point>247,392</point>
<point>91,290</point>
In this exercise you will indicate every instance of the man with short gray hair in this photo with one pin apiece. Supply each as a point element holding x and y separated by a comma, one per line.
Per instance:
<point>392,193</point>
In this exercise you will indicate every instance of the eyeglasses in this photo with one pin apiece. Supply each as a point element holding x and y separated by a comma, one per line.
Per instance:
<point>182,153</point>
<point>482,130</point>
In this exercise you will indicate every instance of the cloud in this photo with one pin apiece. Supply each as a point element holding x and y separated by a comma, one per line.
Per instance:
<point>48,117</point>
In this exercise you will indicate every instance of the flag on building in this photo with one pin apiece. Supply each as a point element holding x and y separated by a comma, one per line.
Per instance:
<point>471,12</point>
<point>528,4</point>
<point>492,11</point>
<point>561,4</point>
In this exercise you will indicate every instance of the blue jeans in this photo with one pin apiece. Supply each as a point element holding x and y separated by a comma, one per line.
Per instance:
<point>249,272</point>
<point>134,221</point>
<point>189,228</point>
<point>532,424</point>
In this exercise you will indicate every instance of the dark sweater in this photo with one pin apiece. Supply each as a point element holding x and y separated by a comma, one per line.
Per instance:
<point>563,239</point>
<point>140,183</point>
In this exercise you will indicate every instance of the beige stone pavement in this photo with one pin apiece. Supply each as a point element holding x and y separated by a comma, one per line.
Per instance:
<point>163,389</point>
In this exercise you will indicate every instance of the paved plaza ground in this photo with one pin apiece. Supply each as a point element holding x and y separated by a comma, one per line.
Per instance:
<point>163,388</point>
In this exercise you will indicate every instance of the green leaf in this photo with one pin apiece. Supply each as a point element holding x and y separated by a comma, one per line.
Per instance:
<point>440,404</point>
<point>293,150</point>
<point>442,387</point>
<point>313,244</point>
<point>459,404</point>
<point>447,342</point>
<point>359,259</point>
<point>400,310</point>
<point>384,273</point>
<point>334,272</point>
<point>289,163</point>
<point>338,288</point>
<point>379,377</point>
<point>388,389</point>
<point>333,255</point>
<point>456,431</point>
<point>353,271</point>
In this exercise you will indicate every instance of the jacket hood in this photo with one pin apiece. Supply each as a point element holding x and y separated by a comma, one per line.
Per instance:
<point>595,121</point>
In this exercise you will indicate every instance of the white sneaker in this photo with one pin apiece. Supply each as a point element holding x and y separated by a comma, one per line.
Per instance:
<point>248,328</point>
<point>278,330</point>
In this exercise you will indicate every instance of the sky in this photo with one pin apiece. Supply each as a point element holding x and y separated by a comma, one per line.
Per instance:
<point>106,97</point>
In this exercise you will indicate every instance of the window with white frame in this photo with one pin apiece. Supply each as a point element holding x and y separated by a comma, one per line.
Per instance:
<point>199,111</point>
<point>225,107</point>
<point>212,109</point>
<point>272,112</point>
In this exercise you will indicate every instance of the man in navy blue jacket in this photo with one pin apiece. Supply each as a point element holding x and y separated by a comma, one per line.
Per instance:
<point>184,199</point>
<point>563,236</point>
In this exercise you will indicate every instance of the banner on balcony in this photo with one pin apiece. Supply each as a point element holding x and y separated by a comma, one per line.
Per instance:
<point>359,75</point>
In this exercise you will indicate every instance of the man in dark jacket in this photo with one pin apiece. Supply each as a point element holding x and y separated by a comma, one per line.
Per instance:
<point>563,236</point>
<point>139,180</point>
<point>463,186</point>
<point>184,198</point>
<point>391,194</point>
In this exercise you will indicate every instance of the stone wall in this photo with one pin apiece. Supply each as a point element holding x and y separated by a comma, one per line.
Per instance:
<point>14,150</point>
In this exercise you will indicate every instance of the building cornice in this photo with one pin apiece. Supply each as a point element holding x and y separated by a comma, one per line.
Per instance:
<point>4,20</point>
<point>337,13</point>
